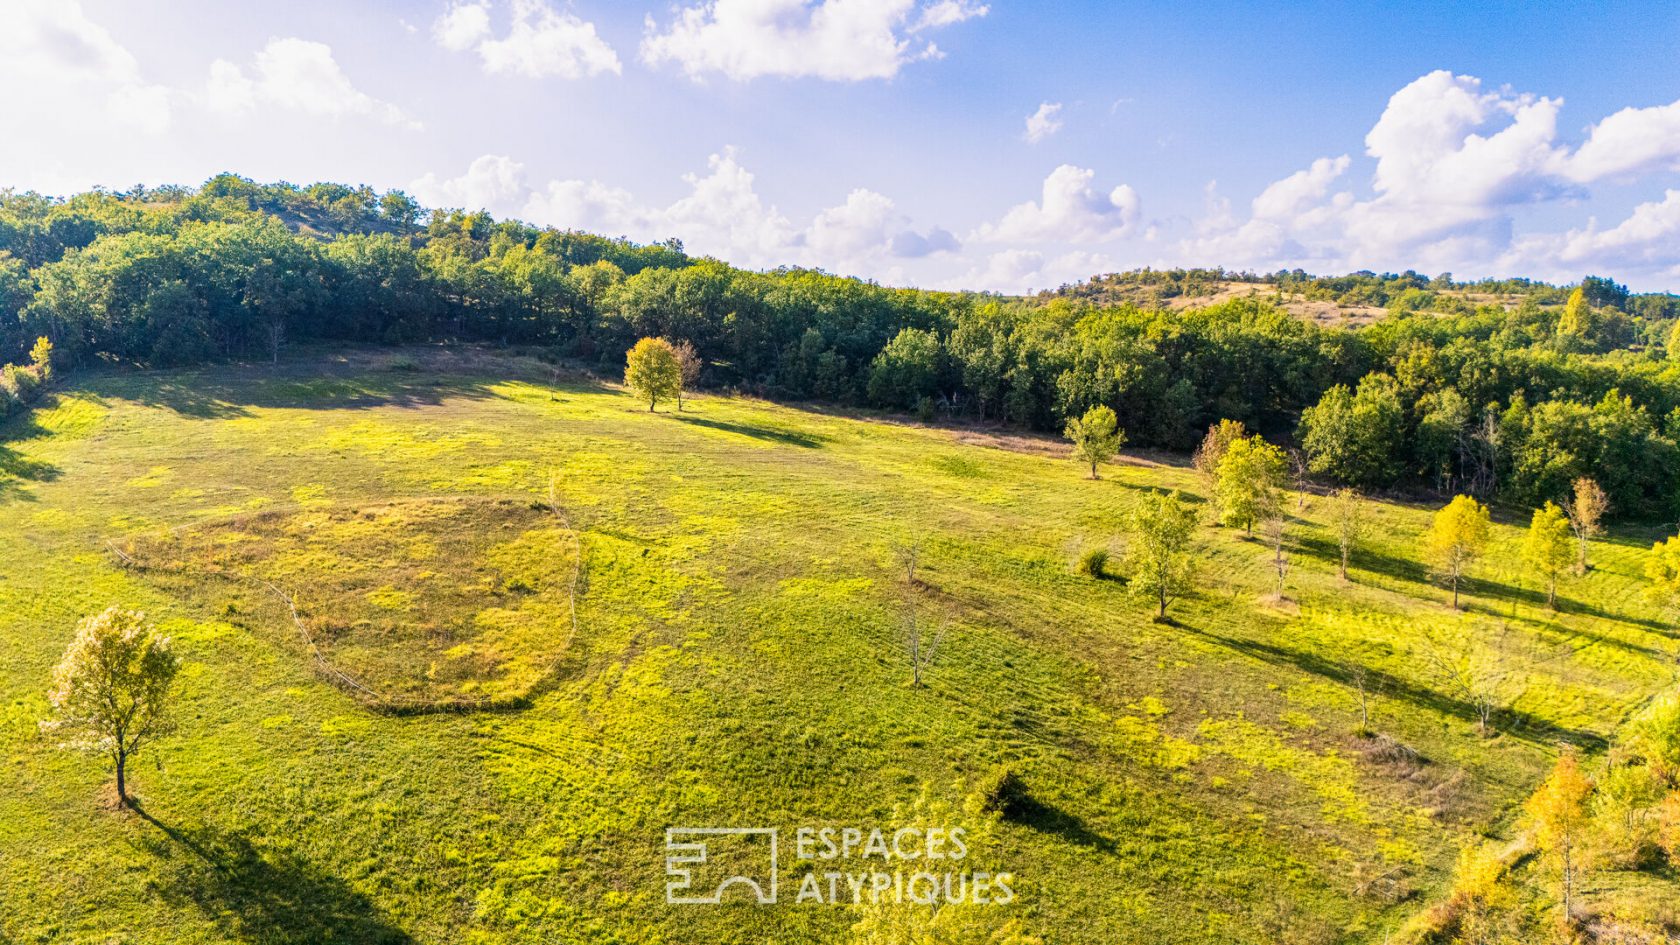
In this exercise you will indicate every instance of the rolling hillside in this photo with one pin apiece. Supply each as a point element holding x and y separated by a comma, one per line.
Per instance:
<point>432,751</point>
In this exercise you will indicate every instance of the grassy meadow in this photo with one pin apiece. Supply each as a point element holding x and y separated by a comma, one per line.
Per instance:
<point>737,660</point>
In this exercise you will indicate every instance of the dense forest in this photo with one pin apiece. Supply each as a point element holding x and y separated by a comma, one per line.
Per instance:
<point>1509,389</point>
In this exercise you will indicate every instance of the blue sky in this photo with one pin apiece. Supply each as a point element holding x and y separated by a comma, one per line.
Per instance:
<point>896,139</point>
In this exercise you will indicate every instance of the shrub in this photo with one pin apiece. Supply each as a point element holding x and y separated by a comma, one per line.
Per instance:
<point>1000,791</point>
<point>1093,562</point>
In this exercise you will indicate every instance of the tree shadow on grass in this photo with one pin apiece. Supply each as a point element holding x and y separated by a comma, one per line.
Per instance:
<point>1508,721</point>
<point>808,441</point>
<point>1365,559</point>
<point>217,398</point>
<point>1047,818</point>
<point>16,470</point>
<point>262,894</point>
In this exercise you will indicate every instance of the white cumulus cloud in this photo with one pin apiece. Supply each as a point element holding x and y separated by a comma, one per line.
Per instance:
<point>492,182</point>
<point>62,70</point>
<point>462,26</point>
<point>1044,122</point>
<point>1455,166</point>
<point>1069,210</point>
<point>844,40</point>
<point>1631,141</point>
<point>948,13</point>
<point>721,214</point>
<point>296,75</point>
<point>540,41</point>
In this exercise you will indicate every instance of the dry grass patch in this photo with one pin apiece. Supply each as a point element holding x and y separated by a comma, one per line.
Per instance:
<point>442,603</point>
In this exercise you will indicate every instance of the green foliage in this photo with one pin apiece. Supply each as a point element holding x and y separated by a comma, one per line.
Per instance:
<point>1356,437</point>
<point>111,690</point>
<point>1211,450</point>
<point>235,268</point>
<point>1093,562</point>
<point>1095,437</point>
<point>1549,547</point>
<point>40,358</point>
<point>908,370</point>
<point>1349,525</point>
<point>1159,558</point>
<point>1248,481</point>
<point>734,653</point>
<point>653,371</point>
<point>999,791</point>
<point>1662,570</point>
<point>1654,737</point>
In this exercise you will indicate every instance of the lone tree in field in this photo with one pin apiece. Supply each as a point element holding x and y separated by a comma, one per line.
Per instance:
<point>1347,517</point>
<point>1548,548</point>
<point>1456,539</point>
<point>1277,534</point>
<point>111,691</point>
<point>688,364</point>
<point>1561,818</point>
<point>1158,558</point>
<point>1477,668</point>
<point>1662,567</point>
<point>652,370</point>
<point>1212,449</point>
<point>1248,480</point>
<point>1586,511</point>
<point>1096,437</point>
<point>921,642</point>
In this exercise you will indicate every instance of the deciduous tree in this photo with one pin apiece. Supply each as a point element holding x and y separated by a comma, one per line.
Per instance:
<point>1457,537</point>
<point>1347,518</point>
<point>1586,508</point>
<point>1548,548</point>
<point>689,364</point>
<point>1559,812</point>
<point>652,370</point>
<point>1247,483</point>
<point>111,691</point>
<point>1096,437</point>
<point>1158,558</point>
<point>1662,568</point>
<point>1212,449</point>
<point>1355,437</point>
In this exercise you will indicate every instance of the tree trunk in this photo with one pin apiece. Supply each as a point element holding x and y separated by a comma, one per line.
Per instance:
<point>122,779</point>
<point>1455,591</point>
<point>1568,883</point>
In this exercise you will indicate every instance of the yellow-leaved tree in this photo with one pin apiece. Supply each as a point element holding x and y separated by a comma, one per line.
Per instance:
<point>1549,547</point>
<point>1662,567</point>
<point>653,370</point>
<point>1457,537</point>
<point>1560,813</point>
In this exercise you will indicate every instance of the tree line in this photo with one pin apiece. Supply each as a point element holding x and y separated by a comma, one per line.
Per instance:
<point>1512,402</point>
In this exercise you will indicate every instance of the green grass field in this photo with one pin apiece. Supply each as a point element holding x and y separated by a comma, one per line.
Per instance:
<point>737,661</point>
